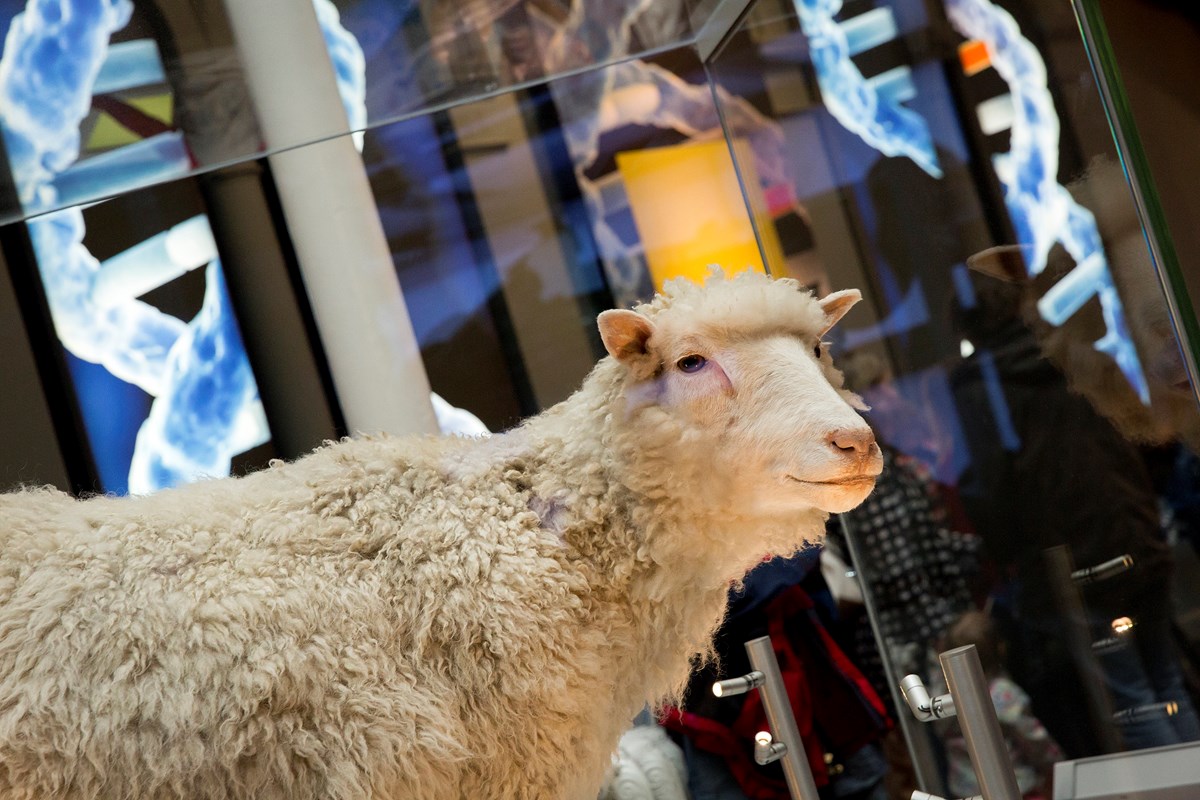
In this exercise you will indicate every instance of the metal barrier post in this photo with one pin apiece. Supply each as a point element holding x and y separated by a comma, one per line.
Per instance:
<point>783,724</point>
<point>980,727</point>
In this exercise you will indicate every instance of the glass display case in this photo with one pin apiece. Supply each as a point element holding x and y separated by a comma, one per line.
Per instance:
<point>236,229</point>
<point>1025,367</point>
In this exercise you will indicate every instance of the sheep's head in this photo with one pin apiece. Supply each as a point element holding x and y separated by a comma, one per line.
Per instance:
<point>736,375</point>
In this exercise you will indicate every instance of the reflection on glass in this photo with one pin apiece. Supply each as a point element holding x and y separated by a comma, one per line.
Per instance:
<point>1042,211</point>
<point>173,76</point>
<point>514,219</point>
<point>1016,345</point>
<point>426,54</point>
<point>871,109</point>
<point>689,211</point>
<point>54,59</point>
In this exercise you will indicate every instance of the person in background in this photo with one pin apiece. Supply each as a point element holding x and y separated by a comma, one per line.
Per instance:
<point>838,715</point>
<point>1049,471</point>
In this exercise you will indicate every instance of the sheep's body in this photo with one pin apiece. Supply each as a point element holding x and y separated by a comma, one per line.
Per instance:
<point>341,640</point>
<point>391,618</point>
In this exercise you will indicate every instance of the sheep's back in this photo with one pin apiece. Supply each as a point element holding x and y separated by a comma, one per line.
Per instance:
<point>334,624</point>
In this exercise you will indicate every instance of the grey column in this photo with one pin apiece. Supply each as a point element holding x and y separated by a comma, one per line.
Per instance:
<point>783,722</point>
<point>331,215</point>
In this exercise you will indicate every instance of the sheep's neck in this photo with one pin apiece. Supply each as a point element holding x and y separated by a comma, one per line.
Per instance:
<point>647,529</point>
<point>626,500</point>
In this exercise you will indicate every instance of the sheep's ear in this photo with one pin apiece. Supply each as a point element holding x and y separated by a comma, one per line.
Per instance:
<point>836,305</point>
<point>624,333</point>
<point>1005,262</point>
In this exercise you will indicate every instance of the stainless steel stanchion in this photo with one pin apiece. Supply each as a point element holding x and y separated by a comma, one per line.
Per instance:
<point>783,743</point>
<point>980,727</point>
<point>971,702</point>
<point>783,724</point>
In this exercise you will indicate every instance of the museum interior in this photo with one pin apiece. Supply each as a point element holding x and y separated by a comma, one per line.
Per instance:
<point>233,231</point>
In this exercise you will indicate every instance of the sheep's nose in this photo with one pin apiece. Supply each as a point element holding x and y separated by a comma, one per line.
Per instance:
<point>854,442</point>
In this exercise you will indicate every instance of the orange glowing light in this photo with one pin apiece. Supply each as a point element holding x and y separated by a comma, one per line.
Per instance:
<point>974,57</point>
<point>690,209</point>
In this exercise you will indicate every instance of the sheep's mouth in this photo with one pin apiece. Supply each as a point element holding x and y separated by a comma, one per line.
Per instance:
<point>852,482</point>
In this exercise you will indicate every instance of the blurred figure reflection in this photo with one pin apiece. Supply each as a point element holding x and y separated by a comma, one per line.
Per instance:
<point>1048,470</point>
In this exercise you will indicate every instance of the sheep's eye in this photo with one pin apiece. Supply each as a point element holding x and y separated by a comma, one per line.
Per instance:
<point>691,363</point>
<point>817,350</point>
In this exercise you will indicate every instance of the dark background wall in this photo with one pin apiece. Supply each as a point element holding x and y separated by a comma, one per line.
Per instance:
<point>29,451</point>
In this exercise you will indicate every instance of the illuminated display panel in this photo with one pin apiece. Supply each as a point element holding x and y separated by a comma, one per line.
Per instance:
<point>154,353</point>
<point>140,306</point>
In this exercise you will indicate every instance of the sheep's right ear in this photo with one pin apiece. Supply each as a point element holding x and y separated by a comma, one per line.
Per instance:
<point>625,334</point>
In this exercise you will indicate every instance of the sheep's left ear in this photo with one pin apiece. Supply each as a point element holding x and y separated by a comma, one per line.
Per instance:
<point>836,305</point>
<point>625,334</point>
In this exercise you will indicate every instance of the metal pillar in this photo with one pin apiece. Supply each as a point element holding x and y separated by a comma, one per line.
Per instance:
<point>971,702</point>
<point>332,219</point>
<point>783,724</point>
<point>918,741</point>
<point>980,727</point>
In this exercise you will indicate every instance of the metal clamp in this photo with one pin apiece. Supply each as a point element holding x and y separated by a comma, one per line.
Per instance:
<point>1103,570</point>
<point>970,701</point>
<point>766,750</point>
<point>732,686</point>
<point>1168,708</point>
<point>923,706</point>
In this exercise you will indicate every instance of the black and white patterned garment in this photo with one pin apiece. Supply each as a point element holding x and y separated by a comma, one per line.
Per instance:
<point>915,568</point>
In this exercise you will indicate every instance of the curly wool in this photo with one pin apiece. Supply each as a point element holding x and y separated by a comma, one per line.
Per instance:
<point>384,618</point>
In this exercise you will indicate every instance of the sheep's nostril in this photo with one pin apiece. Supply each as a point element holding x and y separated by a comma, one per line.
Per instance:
<point>851,441</point>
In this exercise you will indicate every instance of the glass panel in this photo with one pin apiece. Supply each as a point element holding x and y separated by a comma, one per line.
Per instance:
<point>952,160</point>
<point>1159,94</point>
<point>533,163</point>
<point>421,55</point>
<point>514,219</point>
<point>101,98</point>
<point>155,364</point>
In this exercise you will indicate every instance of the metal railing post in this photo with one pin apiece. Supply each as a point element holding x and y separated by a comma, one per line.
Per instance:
<point>980,727</point>
<point>783,724</point>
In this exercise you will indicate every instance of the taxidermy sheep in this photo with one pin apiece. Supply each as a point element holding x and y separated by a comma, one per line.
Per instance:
<point>430,617</point>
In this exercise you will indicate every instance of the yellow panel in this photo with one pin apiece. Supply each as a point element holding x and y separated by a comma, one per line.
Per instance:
<point>109,133</point>
<point>690,212</point>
